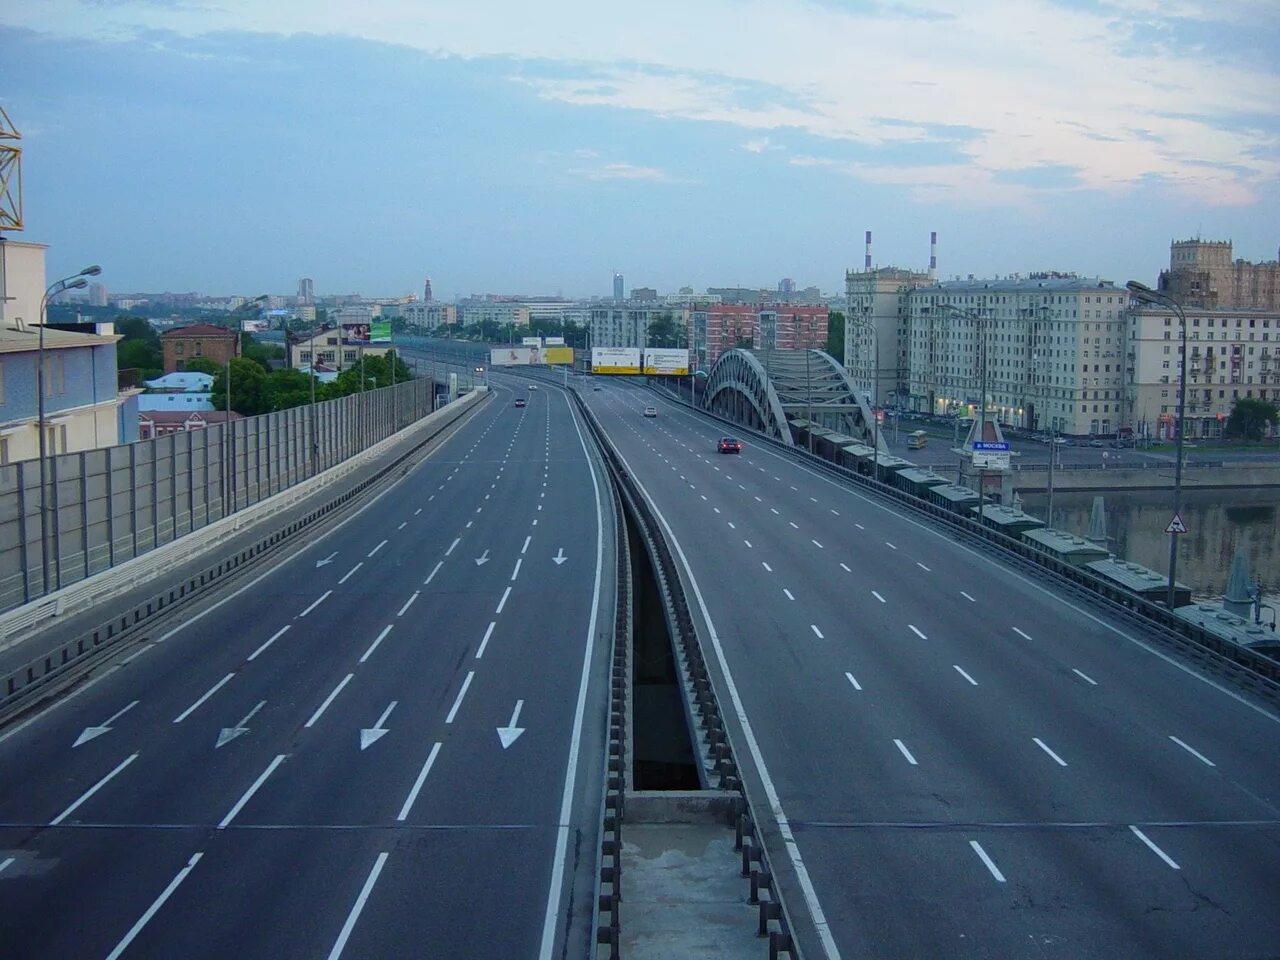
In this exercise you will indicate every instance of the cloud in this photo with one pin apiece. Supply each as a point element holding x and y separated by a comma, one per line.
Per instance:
<point>1013,85</point>
<point>627,171</point>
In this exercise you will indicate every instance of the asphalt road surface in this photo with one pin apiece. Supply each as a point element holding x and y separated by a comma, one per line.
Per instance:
<point>968,764</point>
<point>387,745</point>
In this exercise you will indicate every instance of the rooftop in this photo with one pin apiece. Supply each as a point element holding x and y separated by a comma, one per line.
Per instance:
<point>198,330</point>
<point>20,341</point>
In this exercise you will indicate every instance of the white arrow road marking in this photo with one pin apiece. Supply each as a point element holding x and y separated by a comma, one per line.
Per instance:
<point>327,560</point>
<point>510,733</point>
<point>91,732</point>
<point>230,733</point>
<point>375,733</point>
<point>482,559</point>
<point>559,558</point>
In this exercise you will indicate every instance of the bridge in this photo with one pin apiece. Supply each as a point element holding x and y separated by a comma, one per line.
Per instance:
<point>768,390</point>
<point>393,735</point>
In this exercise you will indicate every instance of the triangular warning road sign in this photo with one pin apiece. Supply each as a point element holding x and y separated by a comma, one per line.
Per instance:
<point>1176,525</point>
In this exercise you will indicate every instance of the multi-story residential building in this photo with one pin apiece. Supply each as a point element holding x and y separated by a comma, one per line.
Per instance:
<point>183,344</point>
<point>430,316</point>
<point>328,351</point>
<point>1053,346</point>
<point>1231,355</point>
<point>1202,273</point>
<point>875,330</point>
<point>627,324</point>
<point>502,312</point>
<point>644,293</point>
<point>719,327</point>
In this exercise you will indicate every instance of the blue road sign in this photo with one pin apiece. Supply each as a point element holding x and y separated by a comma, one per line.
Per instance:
<point>989,445</point>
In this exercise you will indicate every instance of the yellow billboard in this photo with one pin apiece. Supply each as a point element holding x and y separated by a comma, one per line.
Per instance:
<point>557,355</point>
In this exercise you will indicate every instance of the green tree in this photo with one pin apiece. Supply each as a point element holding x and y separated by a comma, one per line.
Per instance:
<point>287,388</point>
<point>260,353</point>
<point>248,382</point>
<point>1249,418</point>
<point>202,365</point>
<point>136,328</point>
<point>136,355</point>
<point>835,335</point>
<point>664,332</point>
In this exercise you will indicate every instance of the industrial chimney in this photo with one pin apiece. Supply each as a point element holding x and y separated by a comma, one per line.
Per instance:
<point>866,263</point>
<point>933,254</point>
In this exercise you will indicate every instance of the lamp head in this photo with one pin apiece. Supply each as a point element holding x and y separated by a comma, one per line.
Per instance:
<point>90,271</point>
<point>77,283</point>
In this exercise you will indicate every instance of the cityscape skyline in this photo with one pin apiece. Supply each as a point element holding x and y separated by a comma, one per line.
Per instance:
<point>563,147</point>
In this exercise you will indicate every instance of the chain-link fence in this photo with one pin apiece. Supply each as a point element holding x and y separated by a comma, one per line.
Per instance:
<point>103,507</point>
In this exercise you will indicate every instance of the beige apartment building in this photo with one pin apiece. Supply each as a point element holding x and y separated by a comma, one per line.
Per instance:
<point>1054,351</point>
<point>876,342</point>
<point>1202,273</point>
<point>1231,355</point>
<point>328,351</point>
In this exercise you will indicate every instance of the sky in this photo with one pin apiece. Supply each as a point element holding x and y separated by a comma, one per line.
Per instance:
<point>502,146</point>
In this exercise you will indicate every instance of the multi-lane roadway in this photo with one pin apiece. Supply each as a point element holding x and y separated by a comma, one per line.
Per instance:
<point>388,745</point>
<point>953,760</point>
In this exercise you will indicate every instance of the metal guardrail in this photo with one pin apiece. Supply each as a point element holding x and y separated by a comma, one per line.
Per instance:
<point>773,919</point>
<point>51,671</point>
<point>1247,668</point>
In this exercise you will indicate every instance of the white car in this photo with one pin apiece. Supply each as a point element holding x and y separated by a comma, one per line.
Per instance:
<point>533,386</point>
<point>650,411</point>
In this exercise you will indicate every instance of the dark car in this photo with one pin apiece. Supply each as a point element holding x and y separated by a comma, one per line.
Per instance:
<point>729,445</point>
<point>520,401</point>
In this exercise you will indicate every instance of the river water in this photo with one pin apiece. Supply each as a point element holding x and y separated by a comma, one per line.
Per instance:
<point>1217,522</point>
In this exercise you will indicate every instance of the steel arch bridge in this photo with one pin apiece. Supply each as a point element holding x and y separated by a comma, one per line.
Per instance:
<point>767,389</point>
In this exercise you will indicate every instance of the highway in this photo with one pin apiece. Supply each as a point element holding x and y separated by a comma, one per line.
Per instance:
<point>389,744</point>
<point>968,764</point>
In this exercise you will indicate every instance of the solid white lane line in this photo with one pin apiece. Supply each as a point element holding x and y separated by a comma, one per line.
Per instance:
<point>1194,752</point>
<point>1154,849</point>
<point>816,631</point>
<point>905,752</point>
<point>92,790</point>
<point>967,597</point>
<point>1041,744</point>
<point>982,854</point>
<point>453,711</point>
<point>965,675</point>
<point>274,637</point>
<point>855,683</point>
<point>817,544</point>
<point>890,545</point>
<point>347,576</point>
<point>374,646</point>
<point>526,544</point>
<point>377,548</point>
<point>329,699</point>
<point>485,642</point>
<point>1087,679</point>
<point>207,694</point>
<point>408,603</point>
<point>456,541</point>
<point>516,572</point>
<point>916,631</point>
<point>354,915</point>
<point>923,567</point>
<point>788,593</point>
<point>319,600</point>
<point>434,571</point>
<point>1021,634</point>
<point>847,568</point>
<point>248,794</point>
<point>152,910</point>
<point>503,602</point>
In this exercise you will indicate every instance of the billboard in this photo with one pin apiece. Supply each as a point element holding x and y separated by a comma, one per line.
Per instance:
<point>615,359</point>
<point>666,363</point>
<point>254,326</point>
<point>555,341</point>
<point>515,356</point>
<point>531,341</point>
<point>366,334</point>
<point>557,355</point>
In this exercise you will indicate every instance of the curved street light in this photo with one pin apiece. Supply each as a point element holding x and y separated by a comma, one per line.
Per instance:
<point>76,281</point>
<point>1145,294</point>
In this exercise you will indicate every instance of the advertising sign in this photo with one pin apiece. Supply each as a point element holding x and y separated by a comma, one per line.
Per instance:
<point>531,341</point>
<point>557,356</point>
<point>554,341</point>
<point>366,334</point>
<point>625,360</point>
<point>660,362</point>
<point>511,356</point>
<point>254,326</point>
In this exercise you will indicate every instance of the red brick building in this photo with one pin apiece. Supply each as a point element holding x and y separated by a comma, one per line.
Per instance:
<point>198,340</point>
<point>781,326</point>
<point>158,423</point>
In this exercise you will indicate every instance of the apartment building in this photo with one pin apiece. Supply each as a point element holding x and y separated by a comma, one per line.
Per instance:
<point>430,316</point>
<point>1202,273</point>
<point>329,351</point>
<point>1049,349</point>
<point>204,340</point>
<point>719,327</point>
<point>626,324</point>
<point>1232,355</point>
<point>875,332</point>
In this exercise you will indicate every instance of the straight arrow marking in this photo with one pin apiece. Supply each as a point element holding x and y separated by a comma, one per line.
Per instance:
<point>227,734</point>
<point>90,732</point>
<point>559,558</point>
<point>371,735</point>
<point>327,560</point>
<point>482,559</point>
<point>510,733</point>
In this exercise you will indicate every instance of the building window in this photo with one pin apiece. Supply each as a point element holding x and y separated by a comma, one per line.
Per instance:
<point>179,348</point>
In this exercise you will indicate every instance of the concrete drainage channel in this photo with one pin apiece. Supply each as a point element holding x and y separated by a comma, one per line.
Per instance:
<point>45,676</point>
<point>682,868</point>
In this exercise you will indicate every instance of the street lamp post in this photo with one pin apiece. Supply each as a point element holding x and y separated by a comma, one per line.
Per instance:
<point>75,282</point>
<point>1145,294</point>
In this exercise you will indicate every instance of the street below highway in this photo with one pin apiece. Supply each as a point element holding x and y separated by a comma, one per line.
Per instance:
<point>970,764</point>
<point>389,744</point>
